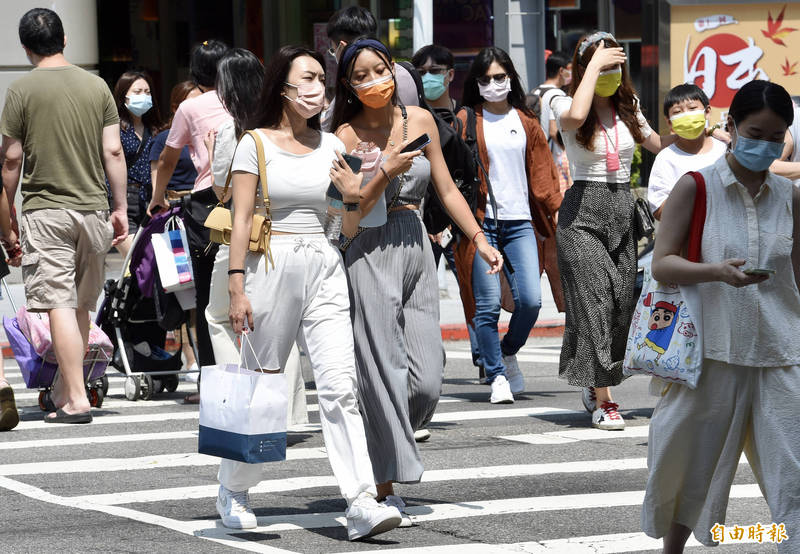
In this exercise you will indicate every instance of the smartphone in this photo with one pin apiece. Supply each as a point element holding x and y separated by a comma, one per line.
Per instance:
<point>417,144</point>
<point>447,237</point>
<point>355,164</point>
<point>759,271</point>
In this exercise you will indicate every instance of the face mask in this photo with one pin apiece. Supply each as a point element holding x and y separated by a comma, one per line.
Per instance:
<point>494,91</point>
<point>608,82</point>
<point>310,98</point>
<point>433,86</point>
<point>689,125</point>
<point>139,104</point>
<point>755,154</point>
<point>376,94</point>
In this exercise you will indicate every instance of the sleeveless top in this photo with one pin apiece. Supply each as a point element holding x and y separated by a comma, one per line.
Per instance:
<point>414,183</point>
<point>755,325</point>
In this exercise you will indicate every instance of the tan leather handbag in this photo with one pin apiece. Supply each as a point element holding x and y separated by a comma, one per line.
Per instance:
<point>220,222</point>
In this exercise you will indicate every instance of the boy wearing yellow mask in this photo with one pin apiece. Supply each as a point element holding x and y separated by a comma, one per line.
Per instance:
<point>686,110</point>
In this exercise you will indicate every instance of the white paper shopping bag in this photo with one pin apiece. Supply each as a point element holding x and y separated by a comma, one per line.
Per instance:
<point>243,413</point>
<point>171,249</point>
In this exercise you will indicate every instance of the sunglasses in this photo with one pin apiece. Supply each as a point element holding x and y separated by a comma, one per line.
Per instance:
<point>497,78</point>
<point>434,70</point>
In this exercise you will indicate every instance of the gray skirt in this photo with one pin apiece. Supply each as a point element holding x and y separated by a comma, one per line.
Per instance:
<point>597,261</point>
<point>394,302</point>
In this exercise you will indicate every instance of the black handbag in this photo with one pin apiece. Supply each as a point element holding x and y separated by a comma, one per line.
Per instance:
<point>644,224</point>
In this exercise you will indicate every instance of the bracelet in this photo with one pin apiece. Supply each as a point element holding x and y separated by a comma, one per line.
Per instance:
<point>710,130</point>
<point>385,174</point>
<point>480,232</point>
<point>234,271</point>
<point>350,206</point>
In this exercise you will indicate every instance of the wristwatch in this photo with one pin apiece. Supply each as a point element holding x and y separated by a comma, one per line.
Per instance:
<point>351,206</point>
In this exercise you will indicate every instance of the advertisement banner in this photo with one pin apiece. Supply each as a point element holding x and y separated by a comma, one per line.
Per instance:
<point>721,47</point>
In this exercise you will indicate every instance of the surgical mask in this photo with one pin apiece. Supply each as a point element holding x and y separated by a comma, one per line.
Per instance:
<point>433,86</point>
<point>608,82</point>
<point>310,98</point>
<point>689,125</point>
<point>376,94</point>
<point>494,91</point>
<point>755,154</point>
<point>139,104</point>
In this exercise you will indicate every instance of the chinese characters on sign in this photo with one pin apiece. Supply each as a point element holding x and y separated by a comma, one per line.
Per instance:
<point>774,533</point>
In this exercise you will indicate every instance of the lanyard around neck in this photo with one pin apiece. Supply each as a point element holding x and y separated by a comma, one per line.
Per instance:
<point>616,131</point>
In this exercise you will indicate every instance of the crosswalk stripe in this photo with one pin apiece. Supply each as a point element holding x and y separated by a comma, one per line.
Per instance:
<point>100,465</point>
<point>442,417</point>
<point>102,439</point>
<point>437,512</point>
<point>576,435</point>
<point>616,542</point>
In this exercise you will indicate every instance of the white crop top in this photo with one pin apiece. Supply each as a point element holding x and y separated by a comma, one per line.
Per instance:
<point>297,183</point>
<point>590,165</point>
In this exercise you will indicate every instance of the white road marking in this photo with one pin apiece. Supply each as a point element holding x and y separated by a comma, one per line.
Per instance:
<point>500,413</point>
<point>185,527</point>
<point>108,439</point>
<point>575,435</point>
<point>436,512</point>
<point>430,476</point>
<point>98,465</point>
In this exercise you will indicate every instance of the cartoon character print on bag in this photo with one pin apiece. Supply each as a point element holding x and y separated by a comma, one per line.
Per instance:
<point>663,318</point>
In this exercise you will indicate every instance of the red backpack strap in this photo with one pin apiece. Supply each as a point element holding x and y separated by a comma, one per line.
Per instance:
<point>698,217</point>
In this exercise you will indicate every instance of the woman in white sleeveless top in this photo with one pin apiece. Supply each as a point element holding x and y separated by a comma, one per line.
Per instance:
<point>748,395</point>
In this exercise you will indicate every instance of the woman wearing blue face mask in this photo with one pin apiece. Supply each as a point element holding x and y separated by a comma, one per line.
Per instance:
<point>139,123</point>
<point>748,395</point>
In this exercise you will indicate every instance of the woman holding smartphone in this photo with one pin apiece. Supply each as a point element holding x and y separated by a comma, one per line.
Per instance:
<point>297,290</point>
<point>393,287</point>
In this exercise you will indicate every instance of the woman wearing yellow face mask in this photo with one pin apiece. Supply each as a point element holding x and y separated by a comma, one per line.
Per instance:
<point>600,124</point>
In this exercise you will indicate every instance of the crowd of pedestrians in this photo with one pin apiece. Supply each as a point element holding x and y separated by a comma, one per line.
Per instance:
<point>552,171</point>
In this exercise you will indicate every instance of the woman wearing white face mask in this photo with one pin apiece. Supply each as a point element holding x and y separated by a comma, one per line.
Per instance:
<point>747,397</point>
<point>298,291</point>
<point>519,192</point>
<point>399,352</point>
<point>140,121</point>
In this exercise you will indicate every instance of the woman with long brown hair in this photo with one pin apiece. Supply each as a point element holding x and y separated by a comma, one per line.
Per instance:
<point>139,122</point>
<point>601,124</point>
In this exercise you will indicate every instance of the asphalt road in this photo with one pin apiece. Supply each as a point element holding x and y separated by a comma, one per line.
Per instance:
<point>527,477</point>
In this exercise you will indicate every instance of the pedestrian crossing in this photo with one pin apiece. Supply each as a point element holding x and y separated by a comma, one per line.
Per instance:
<point>529,477</point>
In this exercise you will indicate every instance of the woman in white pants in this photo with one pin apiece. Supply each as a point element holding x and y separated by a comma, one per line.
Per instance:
<point>239,77</point>
<point>298,290</point>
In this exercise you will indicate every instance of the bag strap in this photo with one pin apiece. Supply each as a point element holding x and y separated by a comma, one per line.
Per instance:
<point>698,218</point>
<point>265,233</point>
<point>472,141</point>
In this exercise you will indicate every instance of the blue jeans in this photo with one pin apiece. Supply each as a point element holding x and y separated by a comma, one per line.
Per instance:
<point>518,240</point>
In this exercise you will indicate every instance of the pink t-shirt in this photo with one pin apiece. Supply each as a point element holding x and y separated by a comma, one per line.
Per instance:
<point>194,118</point>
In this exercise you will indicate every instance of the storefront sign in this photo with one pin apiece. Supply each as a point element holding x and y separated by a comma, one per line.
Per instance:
<point>721,47</point>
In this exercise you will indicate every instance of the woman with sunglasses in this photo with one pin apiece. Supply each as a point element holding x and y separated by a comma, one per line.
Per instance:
<point>600,124</point>
<point>393,289</point>
<point>519,192</point>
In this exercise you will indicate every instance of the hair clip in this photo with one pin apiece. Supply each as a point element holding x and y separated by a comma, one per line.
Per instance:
<point>591,39</point>
<point>205,43</point>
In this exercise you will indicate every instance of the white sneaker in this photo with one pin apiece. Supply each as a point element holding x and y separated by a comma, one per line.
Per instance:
<point>366,518</point>
<point>234,509</point>
<point>397,502</point>
<point>501,392</point>
<point>515,378</point>
<point>589,399</point>
<point>607,417</point>
<point>421,435</point>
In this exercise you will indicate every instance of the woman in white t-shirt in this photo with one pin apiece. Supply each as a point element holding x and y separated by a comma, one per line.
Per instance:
<point>600,124</point>
<point>519,191</point>
<point>298,289</point>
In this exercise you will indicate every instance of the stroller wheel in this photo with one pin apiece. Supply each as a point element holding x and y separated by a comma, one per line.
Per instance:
<point>132,388</point>
<point>172,383</point>
<point>96,397</point>
<point>147,388</point>
<point>159,385</point>
<point>104,384</point>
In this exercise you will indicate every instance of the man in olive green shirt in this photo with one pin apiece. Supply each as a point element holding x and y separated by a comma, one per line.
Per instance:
<point>65,123</point>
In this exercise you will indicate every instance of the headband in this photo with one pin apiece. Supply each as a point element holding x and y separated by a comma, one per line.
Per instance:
<point>591,39</point>
<point>359,45</point>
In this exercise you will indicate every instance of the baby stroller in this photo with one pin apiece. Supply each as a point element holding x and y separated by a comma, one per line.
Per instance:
<point>136,313</point>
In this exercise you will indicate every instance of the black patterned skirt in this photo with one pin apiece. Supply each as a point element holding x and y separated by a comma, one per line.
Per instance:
<point>597,261</point>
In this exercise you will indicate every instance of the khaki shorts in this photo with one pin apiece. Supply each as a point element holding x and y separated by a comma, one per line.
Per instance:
<point>63,257</point>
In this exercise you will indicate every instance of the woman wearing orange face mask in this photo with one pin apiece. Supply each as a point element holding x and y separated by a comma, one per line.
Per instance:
<point>393,289</point>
